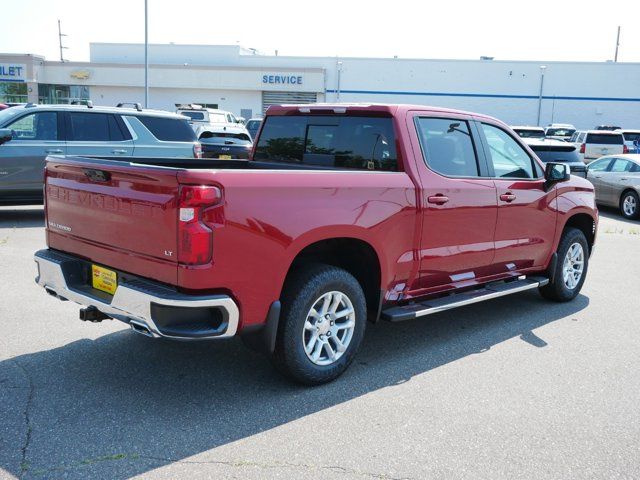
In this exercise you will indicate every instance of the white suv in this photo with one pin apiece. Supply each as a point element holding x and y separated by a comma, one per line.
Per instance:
<point>211,120</point>
<point>594,144</point>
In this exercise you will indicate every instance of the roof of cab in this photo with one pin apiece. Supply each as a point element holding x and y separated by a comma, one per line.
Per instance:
<point>379,108</point>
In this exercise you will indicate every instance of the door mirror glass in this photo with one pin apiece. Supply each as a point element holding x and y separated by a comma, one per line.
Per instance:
<point>556,172</point>
<point>5,135</point>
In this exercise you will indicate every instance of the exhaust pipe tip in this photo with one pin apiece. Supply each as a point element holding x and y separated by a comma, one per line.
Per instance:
<point>141,328</point>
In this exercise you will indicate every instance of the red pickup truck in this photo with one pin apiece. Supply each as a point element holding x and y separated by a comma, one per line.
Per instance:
<point>344,213</point>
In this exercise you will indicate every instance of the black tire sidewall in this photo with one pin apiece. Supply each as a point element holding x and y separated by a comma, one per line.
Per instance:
<point>637,212</point>
<point>560,291</point>
<point>290,357</point>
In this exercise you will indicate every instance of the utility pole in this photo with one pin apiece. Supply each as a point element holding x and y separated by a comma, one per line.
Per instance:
<point>60,35</point>
<point>615,58</point>
<point>146,54</point>
<point>542,69</point>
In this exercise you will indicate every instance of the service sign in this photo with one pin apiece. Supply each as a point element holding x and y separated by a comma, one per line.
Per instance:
<point>13,72</point>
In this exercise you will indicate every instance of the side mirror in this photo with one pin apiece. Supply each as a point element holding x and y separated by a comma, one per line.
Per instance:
<point>556,173</point>
<point>6,134</point>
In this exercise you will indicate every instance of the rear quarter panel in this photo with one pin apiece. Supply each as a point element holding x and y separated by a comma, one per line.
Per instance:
<point>269,216</point>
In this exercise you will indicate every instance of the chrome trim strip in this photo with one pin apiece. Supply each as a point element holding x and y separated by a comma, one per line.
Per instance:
<point>131,304</point>
<point>480,298</point>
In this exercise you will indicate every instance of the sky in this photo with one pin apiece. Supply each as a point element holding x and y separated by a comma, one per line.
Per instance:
<point>507,30</point>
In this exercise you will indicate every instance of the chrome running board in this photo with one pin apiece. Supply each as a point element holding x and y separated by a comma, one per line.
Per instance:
<point>455,300</point>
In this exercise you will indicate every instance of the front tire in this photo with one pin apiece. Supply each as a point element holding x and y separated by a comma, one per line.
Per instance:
<point>630,205</point>
<point>322,324</point>
<point>571,269</point>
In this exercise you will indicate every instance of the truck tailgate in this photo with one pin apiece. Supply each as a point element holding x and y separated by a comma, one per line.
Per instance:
<point>118,214</point>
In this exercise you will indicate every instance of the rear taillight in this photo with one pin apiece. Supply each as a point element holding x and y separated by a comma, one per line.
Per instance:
<point>625,149</point>
<point>582,148</point>
<point>197,150</point>
<point>195,238</point>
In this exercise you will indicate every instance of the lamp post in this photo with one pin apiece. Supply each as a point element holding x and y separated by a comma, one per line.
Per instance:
<point>542,69</point>
<point>146,55</point>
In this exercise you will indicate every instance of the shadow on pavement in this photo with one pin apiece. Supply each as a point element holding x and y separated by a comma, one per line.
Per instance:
<point>17,217</point>
<point>137,404</point>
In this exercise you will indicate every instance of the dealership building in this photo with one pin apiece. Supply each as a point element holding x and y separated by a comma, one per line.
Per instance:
<point>246,82</point>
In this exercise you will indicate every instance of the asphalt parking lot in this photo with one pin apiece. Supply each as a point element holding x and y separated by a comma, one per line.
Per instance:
<point>514,388</point>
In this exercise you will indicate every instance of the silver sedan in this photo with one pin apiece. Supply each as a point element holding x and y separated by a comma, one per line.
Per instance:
<point>617,182</point>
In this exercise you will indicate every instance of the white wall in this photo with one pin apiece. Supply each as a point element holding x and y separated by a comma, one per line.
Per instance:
<point>582,93</point>
<point>166,98</point>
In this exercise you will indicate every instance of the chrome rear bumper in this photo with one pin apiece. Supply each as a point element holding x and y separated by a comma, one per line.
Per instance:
<point>138,302</point>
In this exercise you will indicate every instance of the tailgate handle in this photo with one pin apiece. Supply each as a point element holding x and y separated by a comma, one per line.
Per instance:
<point>97,175</point>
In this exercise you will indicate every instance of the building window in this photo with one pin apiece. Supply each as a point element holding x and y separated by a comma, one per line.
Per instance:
<point>62,93</point>
<point>13,92</point>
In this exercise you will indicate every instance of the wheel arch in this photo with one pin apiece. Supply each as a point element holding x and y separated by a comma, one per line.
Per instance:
<point>355,255</point>
<point>584,222</point>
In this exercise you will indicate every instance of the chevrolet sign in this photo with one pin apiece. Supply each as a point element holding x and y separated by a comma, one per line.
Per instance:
<point>80,74</point>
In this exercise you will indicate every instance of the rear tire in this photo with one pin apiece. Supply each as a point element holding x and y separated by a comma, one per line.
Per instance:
<point>630,205</point>
<point>322,324</point>
<point>571,269</point>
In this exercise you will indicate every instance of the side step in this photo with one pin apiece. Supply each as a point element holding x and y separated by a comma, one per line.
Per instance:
<point>455,300</point>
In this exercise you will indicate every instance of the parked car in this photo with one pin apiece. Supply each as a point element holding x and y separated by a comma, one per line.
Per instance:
<point>559,131</point>
<point>225,145</point>
<point>607,127</point>
<point>211,120</point>
<point>253,126</point>
<point>345,213</point>
<point>593,144</point>
<point>31,132</point>
<point>528,132</point>
<point>551,150</point>
<point>616,179</point>
<point>631,140</point>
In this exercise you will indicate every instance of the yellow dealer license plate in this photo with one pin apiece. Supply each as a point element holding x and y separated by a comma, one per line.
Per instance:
<point>224,157</point>
<point>104,279</point>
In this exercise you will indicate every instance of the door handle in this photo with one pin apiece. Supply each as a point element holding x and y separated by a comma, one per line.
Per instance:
<point>438,199</point>
<point>597,176</point>
<point>118,151</point>
<point>624,178</point>
<point>54,150</point>
<point>507,197</point>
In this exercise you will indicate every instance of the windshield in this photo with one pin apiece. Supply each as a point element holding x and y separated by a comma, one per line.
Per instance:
<point>530,133</point>
<point>9,113</point>
<point>560,132</point>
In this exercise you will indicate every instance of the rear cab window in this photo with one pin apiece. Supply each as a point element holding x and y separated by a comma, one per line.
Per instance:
<point>326,141</point>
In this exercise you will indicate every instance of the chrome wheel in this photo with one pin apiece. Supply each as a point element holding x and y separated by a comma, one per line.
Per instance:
<point>328,328</point>
<point>629,205</point>
<point>573,266</point>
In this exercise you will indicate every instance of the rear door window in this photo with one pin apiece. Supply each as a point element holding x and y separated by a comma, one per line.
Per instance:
<point>358,143</point>
<point>603,139</point>
<point>90,127</point>
<point>621,165</point>
<point>168,129</point>
<point>508,158</point>
<point>447,146</point>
